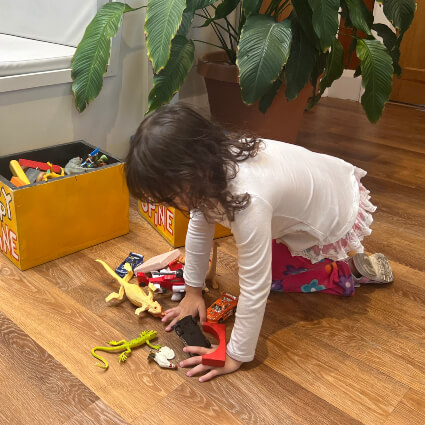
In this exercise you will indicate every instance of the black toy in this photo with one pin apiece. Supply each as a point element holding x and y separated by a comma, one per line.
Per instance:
<point>189,331</point>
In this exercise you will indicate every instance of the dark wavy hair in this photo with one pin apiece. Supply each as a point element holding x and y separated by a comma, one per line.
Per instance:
<point>178,154</point>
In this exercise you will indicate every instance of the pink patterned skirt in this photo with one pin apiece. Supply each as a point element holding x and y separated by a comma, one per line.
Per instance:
<point>322,268</point>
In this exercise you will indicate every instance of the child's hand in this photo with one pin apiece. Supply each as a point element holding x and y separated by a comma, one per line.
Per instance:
<point>208,372</point>
<point>192,304</point>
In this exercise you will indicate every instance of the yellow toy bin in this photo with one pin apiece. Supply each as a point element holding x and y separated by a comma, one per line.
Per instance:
<point>49,219</point>
<point>172,224</point>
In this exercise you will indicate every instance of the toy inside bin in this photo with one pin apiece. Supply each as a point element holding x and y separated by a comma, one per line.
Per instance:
<point>49,219</point>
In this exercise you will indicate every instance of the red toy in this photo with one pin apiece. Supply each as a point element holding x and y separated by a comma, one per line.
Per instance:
<point>222,308</point>
<point>40,165</point>
<point>172,281</point>
<point>218,357</point>
<point>166,281</point>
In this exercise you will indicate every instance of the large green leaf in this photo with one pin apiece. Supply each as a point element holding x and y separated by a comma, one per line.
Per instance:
<point>305,17</point>
<point>169,80</point>
<point>391,42</point>
<point>333,70</point>
<point>389,37</point>
<point>345,14</point>
<point>251,6</point>
<point>360,16</point>
<point>163,18</point>
<point>325,20</point>
<point>91,58</point>
<point>300,63</point>
<point>186,22</point>
<point>334,66</point>
<point>262,53</point>
<point>318,69</point>
<point>267,99</point>
<point>399,12</point>
<point>377,71</point>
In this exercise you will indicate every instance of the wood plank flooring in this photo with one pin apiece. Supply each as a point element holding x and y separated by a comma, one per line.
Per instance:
<point>320,359</point>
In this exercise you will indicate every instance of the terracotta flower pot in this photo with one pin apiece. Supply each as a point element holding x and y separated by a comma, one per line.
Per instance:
<point>281,121</point>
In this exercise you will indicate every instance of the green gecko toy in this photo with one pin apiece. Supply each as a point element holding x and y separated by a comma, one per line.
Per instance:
<point>144,337</point>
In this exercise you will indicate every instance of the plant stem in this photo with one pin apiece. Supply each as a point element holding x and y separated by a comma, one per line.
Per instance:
<point>225,18</point>
<point>215,23</point>
<point>220,37</point>
<point>230,38</point>
<point>231,26</point>
<point>136,8</point>
<point>352,46</point>
<point>206,42</point>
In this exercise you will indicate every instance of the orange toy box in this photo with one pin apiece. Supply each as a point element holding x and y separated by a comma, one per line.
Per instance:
<point>171,223</point>
<point>43,221</point>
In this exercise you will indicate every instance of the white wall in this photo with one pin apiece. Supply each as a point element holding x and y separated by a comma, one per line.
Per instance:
<point>348,87</point>
<point>194,91</point>
<point>45,116</point>
<point>33,19</point>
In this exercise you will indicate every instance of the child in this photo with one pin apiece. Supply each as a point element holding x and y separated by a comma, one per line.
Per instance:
<point>295,215</point>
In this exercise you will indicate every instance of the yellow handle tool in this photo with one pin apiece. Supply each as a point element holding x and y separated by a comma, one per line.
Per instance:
<point>17,171</point>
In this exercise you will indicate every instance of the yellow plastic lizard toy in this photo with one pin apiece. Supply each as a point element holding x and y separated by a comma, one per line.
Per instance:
<point>144,337</point>
<point>134,292</point>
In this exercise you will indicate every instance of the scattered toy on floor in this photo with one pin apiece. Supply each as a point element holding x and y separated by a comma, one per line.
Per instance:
<point>134,292</point>
<point>222,308</point>
<point>216,358</point>
<point>168,283</point>
<point>191,334</point>
<point>158,262</point>
<point>133,259</point>
<point>144,338</point>
<point>163,357</point>
<point>189,331</point>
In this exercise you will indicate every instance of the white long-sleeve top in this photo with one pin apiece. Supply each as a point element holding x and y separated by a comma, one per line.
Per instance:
<point>298,197</point>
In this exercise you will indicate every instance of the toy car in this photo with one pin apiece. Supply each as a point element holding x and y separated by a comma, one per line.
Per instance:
<point>222,308</point>
<point>133,259</point>
<point>168,279</point>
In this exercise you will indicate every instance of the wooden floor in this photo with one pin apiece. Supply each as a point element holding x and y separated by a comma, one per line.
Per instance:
<point>320,359</point>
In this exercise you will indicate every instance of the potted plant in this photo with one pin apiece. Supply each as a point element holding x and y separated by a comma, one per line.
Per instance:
<point>264,51</point>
